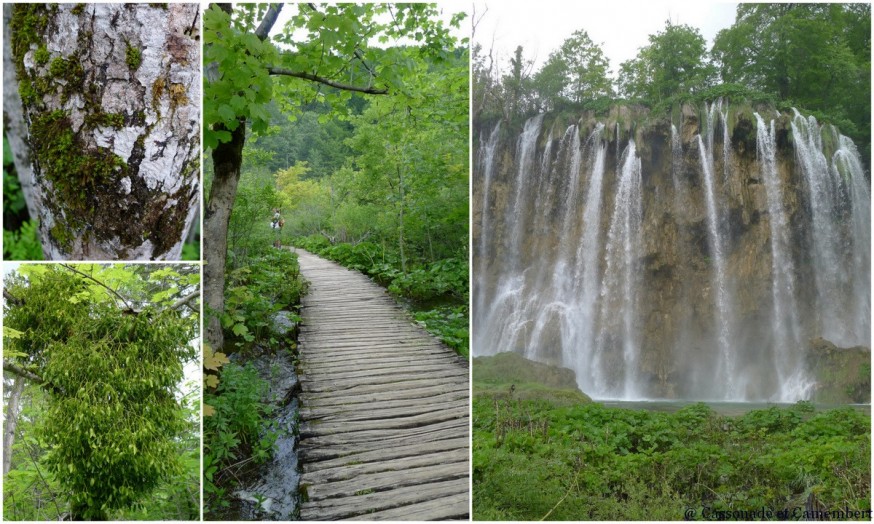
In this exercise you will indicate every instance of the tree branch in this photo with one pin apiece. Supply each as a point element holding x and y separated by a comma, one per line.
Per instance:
<point>101,284</point>
<point>184,300</point>
<point>21,372</point>
<point>315,78</point>
<point>266,24</point>
<point>12,300</point>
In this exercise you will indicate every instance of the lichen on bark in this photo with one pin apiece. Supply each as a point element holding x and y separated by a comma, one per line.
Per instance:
<point>111,96</point>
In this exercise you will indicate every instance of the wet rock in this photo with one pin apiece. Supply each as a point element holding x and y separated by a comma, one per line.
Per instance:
<point>283,323</point>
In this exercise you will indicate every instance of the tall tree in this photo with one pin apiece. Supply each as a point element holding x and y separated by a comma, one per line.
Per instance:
<point>326,53</point>
<point>111,95</point>
<point>816,55</point>
<point>674,63</point>
<point>577,71</point>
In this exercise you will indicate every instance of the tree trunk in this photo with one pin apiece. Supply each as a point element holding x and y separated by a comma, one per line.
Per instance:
<point>227,159</point>
<point>11,422</point>
<point>111,96</point>
<point>13,119</point>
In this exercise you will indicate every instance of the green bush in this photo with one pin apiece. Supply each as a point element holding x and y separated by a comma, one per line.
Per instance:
<point>237,429</point>
<point>254,293</point>
<point>533,458</point>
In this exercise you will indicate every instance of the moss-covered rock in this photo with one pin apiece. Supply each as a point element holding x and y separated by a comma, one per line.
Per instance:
<point>842,374</point>
<point>512,375</point>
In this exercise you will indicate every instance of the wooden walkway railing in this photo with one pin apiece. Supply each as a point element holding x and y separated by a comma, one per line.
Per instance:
<point>384,407</point>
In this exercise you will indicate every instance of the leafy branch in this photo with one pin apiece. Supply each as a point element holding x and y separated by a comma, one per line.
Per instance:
<point>99,283</point>
<point>327,82</point>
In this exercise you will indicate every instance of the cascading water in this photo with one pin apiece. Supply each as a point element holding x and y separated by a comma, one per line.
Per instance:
<point>619,298</point>
<point>791,374</point>
<point>837,260</point>
<point>487,167</point>
<point>599,253</point>
<point>720,284</point>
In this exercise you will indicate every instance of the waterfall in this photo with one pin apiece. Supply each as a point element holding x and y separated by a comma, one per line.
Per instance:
<point>525,153</point>
<point>717,254</point>
<point>619,289</point>
<point>848,164</point>
<point>840,270</point>
<point>487,168</point>
<point>586,276</point>
<point>792,380</point>
<point>588,261</point>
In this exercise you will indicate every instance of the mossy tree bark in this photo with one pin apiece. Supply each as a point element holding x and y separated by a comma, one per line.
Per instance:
<point>111,96</point>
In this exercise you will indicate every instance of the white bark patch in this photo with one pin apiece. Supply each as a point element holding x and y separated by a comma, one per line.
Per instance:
<point>121,97</point>
<point>75,108</point>
<point>125,185</point>
<point>28,61</point>
<point>161,165</point>
<point>152,45</point>
<point>65,41</point>
<point>121,140</point>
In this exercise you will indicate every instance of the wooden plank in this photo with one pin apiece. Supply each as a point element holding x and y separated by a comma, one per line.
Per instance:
<point>387,480</point>
<point>451,507</point>
<point>336,509</point>
<point>318,427</point>
<point>396,452</point>
<point>351,470</point>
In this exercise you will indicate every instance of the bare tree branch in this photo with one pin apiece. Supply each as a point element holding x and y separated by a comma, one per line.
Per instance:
<point>184,300</point>
<point>21,372</point>
<point>315,78</point>
<point>12,300</point>
<point>266,24</point>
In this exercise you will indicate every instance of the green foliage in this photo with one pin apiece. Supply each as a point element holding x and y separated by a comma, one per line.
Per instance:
<point>818,56</point>
<point>323,40</point>
<point>256,292</point>
<point>111,424</point>
<point>447,277</point>
<point>23,244</point>
<point>450,325</point>
<point>20,234</point>
<point>191,251</point>
<point>236,429</point>
<point>674,63</point>
<point>577,71</point>
<point>533,458</point>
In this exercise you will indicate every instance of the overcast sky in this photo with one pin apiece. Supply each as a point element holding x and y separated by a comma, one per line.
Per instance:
<point>621,28</point>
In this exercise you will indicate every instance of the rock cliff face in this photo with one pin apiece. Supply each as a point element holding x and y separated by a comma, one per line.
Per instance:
<point>690,256</point>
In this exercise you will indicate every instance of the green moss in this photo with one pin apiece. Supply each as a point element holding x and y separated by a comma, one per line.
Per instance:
<point>134,57</point>
<point>78,10</point>
<point>104,119</point>
<point>62,236</point>
<point>28,24</point>
<point>157,92</point>
<point>42,55</point>
<point>178,95</point>
<point>67,69</point>
<point>159,6</point>
<point>75,172</point>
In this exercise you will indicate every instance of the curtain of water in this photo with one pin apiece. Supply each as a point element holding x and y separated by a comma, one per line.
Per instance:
<point>792,378</point>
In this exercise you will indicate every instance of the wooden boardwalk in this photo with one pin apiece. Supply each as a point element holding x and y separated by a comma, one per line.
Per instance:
<point>384,407</point>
